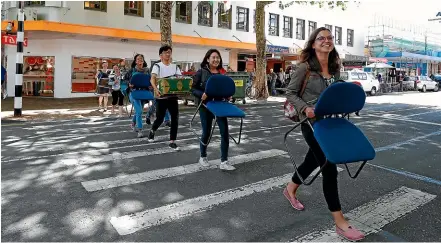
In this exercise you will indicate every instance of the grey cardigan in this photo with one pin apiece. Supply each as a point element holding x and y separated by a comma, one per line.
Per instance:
<point>315,86</point>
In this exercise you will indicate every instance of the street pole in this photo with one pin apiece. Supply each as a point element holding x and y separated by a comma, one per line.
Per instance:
<point>18,101</point>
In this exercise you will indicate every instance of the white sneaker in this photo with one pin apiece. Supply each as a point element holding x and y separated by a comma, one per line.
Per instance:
<point>140,134</point>
<point>204,161</point>
<point>226,166</point>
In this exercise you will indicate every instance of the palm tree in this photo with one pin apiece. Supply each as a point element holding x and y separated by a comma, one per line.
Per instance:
<point>260,85</point>
<point>165,22</point>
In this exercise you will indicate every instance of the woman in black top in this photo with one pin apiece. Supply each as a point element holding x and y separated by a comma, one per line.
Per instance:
<point>211,65</point>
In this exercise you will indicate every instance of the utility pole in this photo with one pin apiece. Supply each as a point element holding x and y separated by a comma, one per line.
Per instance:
<point>18,101</point>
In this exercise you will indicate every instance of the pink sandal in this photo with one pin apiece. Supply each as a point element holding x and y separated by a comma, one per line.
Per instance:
<point>351,234</point>
<point>296,204</point>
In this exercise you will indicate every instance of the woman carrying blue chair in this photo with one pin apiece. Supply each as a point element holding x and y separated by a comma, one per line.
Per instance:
<point>213,90</point>
<point>320,105</point>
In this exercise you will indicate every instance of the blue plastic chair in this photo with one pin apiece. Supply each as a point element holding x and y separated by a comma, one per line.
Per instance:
<point>141,89</point>
<point>340,140</point>
<point>219,88</point>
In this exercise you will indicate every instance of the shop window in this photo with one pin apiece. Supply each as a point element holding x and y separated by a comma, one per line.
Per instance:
<point>338,35</point>
<point>34,3</point>
<point>300,29</point>
<point>183,12</point>
<point>242,19</point>
<point>96,5</point>
<point>38,75</point>
<point>134,8</point>
<point>84,70</point>
<point>224,17</point>
<point>273,24</point>
<point>350,37</point>
<point>287,27</point>
<point>312,26</point>
<point>329,27</point>
<point>156,10</point>
<point>205,14</point>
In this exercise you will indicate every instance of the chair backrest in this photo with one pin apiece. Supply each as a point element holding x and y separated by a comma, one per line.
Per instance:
<point>340,98</point>
<point>140,80</point>
<point>220,86</point>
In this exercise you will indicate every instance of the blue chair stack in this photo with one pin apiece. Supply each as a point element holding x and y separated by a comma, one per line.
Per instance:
<point>340,140</point>
<point>219,88</point>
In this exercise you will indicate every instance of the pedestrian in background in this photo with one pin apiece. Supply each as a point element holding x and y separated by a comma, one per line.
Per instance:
<point>103,86</point>
<point>321,60</point>
<point>211,65</point>
<point>117,95</point>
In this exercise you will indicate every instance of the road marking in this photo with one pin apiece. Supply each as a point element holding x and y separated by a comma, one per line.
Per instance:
<point>423,113</point>
<point>374,215</point>
<point>409,174</point>
<point>404,119</point>
<point>124,180</point>
<point>94,151</point>
<point>132,223</point>
<point>410,141</point>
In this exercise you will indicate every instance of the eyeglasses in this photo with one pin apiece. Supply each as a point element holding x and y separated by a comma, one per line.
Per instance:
<point>323,38</point>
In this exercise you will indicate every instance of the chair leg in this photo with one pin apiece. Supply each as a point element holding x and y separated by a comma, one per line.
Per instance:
<point>292,158</point>
<point>240,133</point>
<point>194,131</point>
<point>358,171</point>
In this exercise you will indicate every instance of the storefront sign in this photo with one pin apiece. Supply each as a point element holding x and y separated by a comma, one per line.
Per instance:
<point>354,58</point>
<point>373,59</point>
<point>277,49</point>
<point>12,40</point>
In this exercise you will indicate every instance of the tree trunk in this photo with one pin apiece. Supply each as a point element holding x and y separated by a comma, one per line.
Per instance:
<point>260,85</point>
<point>165,22</point>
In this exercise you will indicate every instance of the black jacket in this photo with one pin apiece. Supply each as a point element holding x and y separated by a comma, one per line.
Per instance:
<point>199,82</point>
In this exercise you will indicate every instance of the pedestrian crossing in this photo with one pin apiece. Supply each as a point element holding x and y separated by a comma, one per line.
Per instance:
<point>263,170</point>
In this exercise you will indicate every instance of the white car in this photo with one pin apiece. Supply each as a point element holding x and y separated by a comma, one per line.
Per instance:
<point>425,83</point>
<point>369,83</point>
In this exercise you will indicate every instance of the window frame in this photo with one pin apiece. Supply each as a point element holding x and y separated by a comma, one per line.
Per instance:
<point>208,22</point>
<point>290,27</point>
<point>312,27</point>
<point>153,11</point>
<point>350,38</point>
<point>329,27</point>
<point>338,36</point>
<point>302,22</point>
<point>139,8</point>
<point>102,8</point>
<point>246,13</point>
<point>34,3</point>
<point>276,31</point>
<point>189,10</point>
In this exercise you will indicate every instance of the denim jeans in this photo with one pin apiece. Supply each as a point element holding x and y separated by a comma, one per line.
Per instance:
<point>152,110</point>
<point>138,105</point>
<point>207,121</point>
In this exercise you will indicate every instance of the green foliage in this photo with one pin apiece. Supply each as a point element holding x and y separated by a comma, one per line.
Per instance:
<point>330,4</point>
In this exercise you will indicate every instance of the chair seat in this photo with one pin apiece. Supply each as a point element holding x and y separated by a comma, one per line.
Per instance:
<point>342,142</point>
<point>224,109</point>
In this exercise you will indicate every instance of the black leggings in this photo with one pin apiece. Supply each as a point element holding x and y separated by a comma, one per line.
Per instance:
<point>117,96</point>
<point>330,187</point>
<point>162,105</point>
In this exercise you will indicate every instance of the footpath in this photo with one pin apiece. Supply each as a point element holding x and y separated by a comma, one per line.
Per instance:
<point>43,109</point>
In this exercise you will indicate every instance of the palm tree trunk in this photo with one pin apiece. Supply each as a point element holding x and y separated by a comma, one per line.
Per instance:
<point>260,85</point>
<point>165,22</point>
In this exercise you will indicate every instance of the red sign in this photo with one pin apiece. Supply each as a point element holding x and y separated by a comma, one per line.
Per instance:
<point>12,40</point>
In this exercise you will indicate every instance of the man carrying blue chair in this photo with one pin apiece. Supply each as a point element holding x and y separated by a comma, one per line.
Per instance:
<point>218,90</point>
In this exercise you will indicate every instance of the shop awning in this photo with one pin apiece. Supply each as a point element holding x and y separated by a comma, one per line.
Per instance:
<point>88,30</point>
<point>396,56</point>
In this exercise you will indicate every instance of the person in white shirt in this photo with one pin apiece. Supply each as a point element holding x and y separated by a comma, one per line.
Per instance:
<point>165,69</point>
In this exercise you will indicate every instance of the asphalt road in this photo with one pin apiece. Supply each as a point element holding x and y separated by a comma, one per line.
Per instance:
<point>93,180</point>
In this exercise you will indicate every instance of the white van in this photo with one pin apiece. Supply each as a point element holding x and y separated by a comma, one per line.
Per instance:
<point>367,80</point>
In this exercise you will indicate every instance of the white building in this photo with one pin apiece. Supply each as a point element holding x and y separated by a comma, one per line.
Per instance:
<point>67,40</point>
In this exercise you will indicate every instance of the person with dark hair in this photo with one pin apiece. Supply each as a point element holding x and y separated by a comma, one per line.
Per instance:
<point>103,88</point>
<point>138,66</point>
<point>211,65</point>
<point>164,102</point>
<point>319,67</point>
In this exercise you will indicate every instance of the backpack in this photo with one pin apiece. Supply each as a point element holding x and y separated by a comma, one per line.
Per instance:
<point>289,109</point>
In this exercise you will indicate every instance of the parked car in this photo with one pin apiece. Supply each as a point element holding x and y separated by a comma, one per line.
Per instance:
<point>367,81</point>
<point>437,78</point>
<point>424,83</point>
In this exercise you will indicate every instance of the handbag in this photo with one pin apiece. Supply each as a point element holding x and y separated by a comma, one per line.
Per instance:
<point>290,110</point>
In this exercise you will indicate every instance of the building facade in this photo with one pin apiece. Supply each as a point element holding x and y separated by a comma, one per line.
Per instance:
<point>68,40</point>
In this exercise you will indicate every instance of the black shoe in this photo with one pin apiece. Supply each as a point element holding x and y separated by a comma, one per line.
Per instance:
<point>147,121</point>
<point>174,146</point>
<point>151,137</point>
